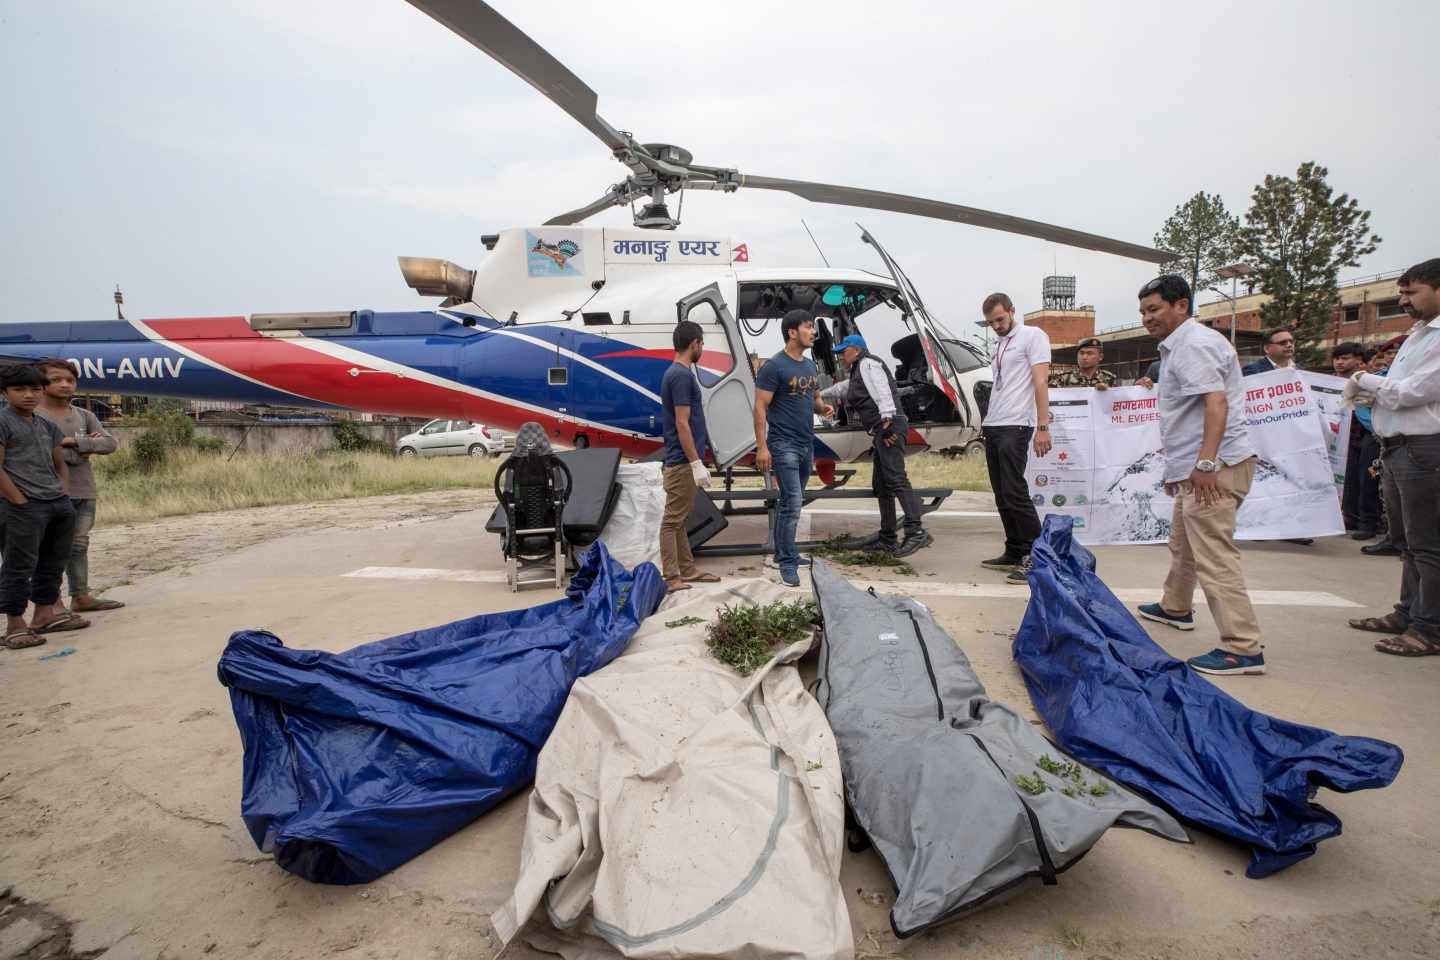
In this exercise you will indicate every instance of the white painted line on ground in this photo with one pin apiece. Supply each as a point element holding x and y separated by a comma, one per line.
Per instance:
<point>863,512</point>
<point>428,573</point>
<point>974,591</point>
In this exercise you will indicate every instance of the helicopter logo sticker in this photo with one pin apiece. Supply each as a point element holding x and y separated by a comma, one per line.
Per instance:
<point>560,259</point>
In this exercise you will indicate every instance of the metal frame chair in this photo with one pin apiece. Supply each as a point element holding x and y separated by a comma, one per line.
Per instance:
<point>532,487</point>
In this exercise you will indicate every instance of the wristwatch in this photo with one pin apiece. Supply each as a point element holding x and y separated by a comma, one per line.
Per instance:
<point>1043,426</point>
<point>1207,466</point>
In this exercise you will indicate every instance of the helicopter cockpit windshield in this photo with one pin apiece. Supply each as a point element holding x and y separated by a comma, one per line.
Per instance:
<point>837,306</point>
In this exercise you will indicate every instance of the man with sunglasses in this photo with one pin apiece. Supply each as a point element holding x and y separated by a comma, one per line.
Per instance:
<point>1279,353</point>
<point>1209,466</point>
<point>1017,419</point>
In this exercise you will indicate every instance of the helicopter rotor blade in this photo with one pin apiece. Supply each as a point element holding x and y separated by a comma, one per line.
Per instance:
<point>611,199</point>
<point>920,207</point>
<point>481,25</point>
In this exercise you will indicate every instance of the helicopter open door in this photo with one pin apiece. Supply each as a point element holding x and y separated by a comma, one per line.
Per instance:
<point>729,399</point>
<point>929,331</point>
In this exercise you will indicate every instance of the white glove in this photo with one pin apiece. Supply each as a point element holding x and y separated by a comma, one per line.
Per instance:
<point>701,475</point>
<point>1355,395</point>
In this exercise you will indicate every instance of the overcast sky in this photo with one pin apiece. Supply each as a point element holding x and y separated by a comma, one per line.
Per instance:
<point>238,156</point>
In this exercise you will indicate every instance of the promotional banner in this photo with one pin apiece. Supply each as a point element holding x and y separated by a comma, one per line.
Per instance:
<point>1106,468</point>
<point>1326,391</point>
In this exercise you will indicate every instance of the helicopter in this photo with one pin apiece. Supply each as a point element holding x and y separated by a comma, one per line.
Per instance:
<point>570,326</point>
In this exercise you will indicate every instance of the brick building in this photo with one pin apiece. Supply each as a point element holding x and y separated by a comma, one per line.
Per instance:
<point>1369,312</point>
<point>1065,328</point>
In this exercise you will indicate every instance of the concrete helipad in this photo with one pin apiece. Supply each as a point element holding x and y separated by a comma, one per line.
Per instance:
<point>120,766</point>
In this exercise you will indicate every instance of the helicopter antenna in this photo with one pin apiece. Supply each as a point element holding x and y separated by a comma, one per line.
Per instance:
<point>814,241</point>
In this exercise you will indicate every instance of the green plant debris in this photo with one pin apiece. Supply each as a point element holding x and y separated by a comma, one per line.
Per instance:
<point>1064,769</point>
<point>1070,792</point>
<point>684,622</point>
<point>1032,785</point>
<point>1049,764</point>
<point>745,637</point>
<point>811,765</point>
<point>1099,789</point>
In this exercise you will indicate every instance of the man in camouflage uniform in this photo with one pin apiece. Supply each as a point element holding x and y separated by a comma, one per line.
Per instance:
<point>1088,355</point>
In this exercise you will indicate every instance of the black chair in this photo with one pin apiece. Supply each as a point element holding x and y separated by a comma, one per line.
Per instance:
<point>532,487</point>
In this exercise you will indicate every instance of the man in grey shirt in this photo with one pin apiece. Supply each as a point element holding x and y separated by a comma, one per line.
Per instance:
<point>38,516</point>
<point>84,438</point>
<point>1209,466</point>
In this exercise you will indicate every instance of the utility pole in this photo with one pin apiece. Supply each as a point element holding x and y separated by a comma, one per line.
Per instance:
<point>119,302</point>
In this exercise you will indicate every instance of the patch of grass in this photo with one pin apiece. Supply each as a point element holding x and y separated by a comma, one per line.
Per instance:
<point>1074,938</point>
<point>684,622</point>
<point>923,469</point>
<point>189,481</point>
<point>1099,788</point>
<point>744,638</point>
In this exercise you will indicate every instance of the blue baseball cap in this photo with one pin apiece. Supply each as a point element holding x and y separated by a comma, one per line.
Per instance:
<point>854,340</point>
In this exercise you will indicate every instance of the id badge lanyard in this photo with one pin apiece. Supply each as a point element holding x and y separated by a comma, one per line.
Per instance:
<point>1000,361</point>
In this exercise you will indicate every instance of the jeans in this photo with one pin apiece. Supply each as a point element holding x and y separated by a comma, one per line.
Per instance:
<point>1007,450</point>
<point>890,483</point>
<point>37,544</point>
<point>77,570</point>
<point>792,464</point>
<point>676,560</point>
<point>1412,477</point>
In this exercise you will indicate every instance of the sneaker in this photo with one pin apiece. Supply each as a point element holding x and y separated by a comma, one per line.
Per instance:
<point>1364,533</point>
<point>1182,621</point>
<point>790,578</point>
<point>1021,573</point>
<point>772,564</point>
<point>912,544</point>
<point>1222,663</point>
<point>1002,562</point>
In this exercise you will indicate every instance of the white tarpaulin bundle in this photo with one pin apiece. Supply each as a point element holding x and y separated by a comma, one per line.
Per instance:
<point>682,810</point>
<point>632,534</point>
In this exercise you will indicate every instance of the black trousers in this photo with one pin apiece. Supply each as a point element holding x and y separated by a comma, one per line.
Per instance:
<point>1007,450</point>
<point>1412,477</point>
<point>1360,503</point>
<point>890,483</point>
<point>36,546</point>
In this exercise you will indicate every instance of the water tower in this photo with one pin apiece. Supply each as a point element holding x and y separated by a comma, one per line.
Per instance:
<point>1058,293</point>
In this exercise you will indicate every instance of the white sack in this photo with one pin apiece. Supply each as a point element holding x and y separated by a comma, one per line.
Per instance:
<point>632,535</point>
<point>681,810</point>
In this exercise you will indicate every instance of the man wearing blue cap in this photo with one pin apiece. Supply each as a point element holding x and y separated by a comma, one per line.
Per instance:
<point>872,398</point>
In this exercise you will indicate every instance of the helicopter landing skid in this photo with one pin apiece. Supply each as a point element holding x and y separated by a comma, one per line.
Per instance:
<point>766,502</point>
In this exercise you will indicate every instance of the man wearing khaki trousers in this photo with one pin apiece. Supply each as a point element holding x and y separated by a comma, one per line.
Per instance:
<point>1209,466</point>
<point>683,417</point>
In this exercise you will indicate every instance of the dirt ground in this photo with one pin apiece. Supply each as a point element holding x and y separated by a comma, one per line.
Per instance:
<point>120,833</point>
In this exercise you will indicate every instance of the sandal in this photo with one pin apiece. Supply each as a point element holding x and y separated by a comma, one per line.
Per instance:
<point>62,624</point>
<point>97,605</point>
<point>677,584</point>
<point>1409,644</point>
<point>702,578</point>
<point>21,639</point>
<point>1390,623</point>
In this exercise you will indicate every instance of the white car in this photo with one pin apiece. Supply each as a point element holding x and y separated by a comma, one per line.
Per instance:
<point>444,438</point>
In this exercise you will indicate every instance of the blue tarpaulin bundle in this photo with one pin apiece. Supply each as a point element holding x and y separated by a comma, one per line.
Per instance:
<point>355,762</point>
<point>1118,702</point>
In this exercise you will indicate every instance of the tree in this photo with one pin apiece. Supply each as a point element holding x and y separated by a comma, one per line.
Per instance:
<point>1299,235</point>
<point>1202,232</point>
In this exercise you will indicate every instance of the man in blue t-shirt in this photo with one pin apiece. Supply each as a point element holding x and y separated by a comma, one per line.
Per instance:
<point>786,401</point>
<point>683,417</point>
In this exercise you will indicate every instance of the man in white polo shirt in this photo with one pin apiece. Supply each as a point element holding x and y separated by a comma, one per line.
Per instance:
<point>1017,419</point>
<point>1209,466</point>
<point>1405,412</point>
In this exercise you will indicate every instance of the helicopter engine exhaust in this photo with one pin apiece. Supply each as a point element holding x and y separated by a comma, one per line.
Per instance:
<point>432,277</point>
